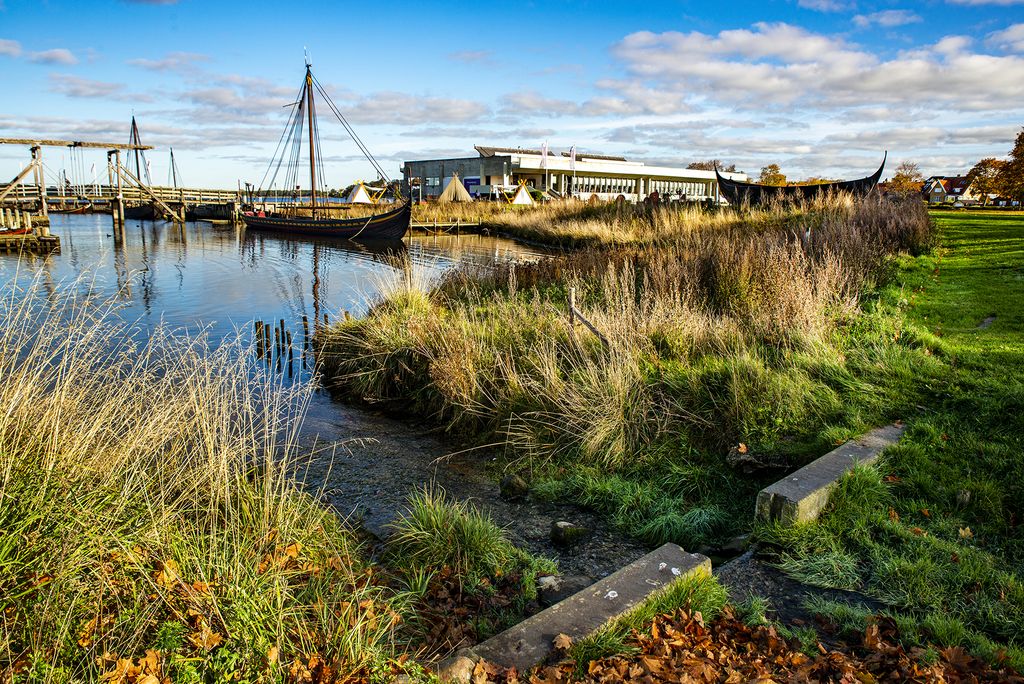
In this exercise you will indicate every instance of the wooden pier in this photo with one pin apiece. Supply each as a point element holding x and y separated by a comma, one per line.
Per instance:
<point>123,188</point>
<point>22,232</point>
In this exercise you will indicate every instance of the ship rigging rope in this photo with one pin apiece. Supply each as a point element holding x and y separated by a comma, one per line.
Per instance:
<point>348,127</point>
<point>290,144</point>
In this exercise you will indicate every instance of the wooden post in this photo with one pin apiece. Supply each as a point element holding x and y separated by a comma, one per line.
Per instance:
<point>266,337</point>
<point>120,189</point>
<point>37,158</point>
<point>305,332</point>
<point>258,337</point>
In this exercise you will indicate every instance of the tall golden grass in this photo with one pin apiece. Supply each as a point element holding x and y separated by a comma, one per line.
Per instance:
<point>719,331</point>
<point>150,522</point>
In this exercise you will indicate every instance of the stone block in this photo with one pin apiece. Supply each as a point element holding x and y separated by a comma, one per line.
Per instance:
<point>529,642</point>
<point>802,495</point>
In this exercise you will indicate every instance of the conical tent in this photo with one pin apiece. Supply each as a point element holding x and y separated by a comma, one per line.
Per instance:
<point>455,192</point>
<point>359,195</point>
<point>522,196</point>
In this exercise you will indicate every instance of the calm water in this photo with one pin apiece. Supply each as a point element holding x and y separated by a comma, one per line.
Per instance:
<point>219,278</point>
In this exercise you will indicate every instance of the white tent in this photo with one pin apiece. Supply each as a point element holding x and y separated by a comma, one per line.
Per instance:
<point>455,192</point>
<point>359,195</point>
<point>522,196</point>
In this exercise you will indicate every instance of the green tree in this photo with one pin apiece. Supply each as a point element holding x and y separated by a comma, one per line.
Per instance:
<point>907,179</point>
<point>983,179</point>
<point>1011,176</point>
<point>772,175</point>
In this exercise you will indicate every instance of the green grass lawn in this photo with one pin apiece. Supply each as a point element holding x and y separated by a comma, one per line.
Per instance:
<point>935,530</point>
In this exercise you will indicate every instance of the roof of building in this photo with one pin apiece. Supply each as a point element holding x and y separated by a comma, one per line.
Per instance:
<point>486,151</point>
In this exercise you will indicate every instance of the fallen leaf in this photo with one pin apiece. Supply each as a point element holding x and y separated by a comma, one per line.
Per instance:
<point>562,642</point>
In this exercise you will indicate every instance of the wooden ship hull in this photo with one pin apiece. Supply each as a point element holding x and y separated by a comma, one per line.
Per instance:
<point>392,225</point>
<point>209,212</point>
<point>739,193</point>
<point>144,212</point>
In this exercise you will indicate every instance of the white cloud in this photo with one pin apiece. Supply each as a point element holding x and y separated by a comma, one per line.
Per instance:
<point>54,56</point>
<point>472,56</point>
<point>172,61</point>
<point>1010,38</point>
<point>781,66</point>
<point>998,3</point>
<point>75,86</point>
<point>10,48</point>
<point>825,5</point>
<point>887,18</point>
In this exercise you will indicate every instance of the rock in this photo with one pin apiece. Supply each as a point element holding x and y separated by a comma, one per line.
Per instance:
<point>567,534</point>
<point>735,546</point>
<point>457,668</point>
<point>554,589</point>
<point>513,487</point>
<point>963,497</point>
<point>742,459</point>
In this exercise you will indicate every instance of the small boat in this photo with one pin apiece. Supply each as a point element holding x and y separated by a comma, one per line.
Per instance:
<point>11,232</point>
<point>80,209</point>
<point>739,193</point>
<point>314,218</point>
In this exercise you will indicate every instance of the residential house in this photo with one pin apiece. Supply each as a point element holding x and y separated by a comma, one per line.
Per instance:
<point>949,189</point>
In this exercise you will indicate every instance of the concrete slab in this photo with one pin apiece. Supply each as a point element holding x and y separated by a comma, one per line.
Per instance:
<point>802,495</point>
<point>529,642</point>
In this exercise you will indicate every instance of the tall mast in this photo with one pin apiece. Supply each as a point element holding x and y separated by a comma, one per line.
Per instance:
<point>312,149</point>
<point>174,170</point>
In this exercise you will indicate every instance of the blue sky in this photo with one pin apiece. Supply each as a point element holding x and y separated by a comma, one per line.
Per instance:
<point>820,87</point>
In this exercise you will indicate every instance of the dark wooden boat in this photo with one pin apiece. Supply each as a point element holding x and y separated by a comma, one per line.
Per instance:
<point>752,194</point>
<point>389,225</point>
<point>144,212</point>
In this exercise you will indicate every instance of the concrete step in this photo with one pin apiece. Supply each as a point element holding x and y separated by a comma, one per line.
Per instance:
<point>801,496</point>
<point>529,642</point>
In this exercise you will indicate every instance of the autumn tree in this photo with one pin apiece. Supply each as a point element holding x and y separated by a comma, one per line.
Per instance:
<point>1011,176</point>
<point>907,179</point>
<point>983,179</point>
<point>772,175</point>
<point>710,164</point>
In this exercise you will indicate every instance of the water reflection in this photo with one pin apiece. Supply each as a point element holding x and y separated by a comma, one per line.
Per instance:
<point>218,278</point>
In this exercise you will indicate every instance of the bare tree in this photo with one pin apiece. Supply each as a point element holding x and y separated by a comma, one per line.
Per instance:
<point>710,164</point>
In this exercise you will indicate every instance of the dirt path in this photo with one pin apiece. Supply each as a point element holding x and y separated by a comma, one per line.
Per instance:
<point>378,460</point>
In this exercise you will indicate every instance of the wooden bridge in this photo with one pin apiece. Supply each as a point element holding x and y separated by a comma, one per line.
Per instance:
<point>122,187</point>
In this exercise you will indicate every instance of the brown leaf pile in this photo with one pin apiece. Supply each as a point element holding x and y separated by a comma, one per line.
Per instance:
<point>682,648</point>
<point>450,616</point>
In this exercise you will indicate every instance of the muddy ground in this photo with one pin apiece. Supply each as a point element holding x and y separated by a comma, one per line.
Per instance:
<point>367,463</point>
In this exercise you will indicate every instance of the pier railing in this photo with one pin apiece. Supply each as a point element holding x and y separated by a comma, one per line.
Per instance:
<point>104,194</point>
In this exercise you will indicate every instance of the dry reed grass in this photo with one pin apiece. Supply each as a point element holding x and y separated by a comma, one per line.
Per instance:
<point>720,332</point>
<point>150,523</point>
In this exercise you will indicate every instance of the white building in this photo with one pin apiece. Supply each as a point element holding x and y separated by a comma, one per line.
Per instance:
<point>560,174</point>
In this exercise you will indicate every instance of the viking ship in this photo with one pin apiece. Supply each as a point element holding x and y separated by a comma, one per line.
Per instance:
<point>315,218</point>
<point>137,164</point>
<point>752,194</point>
